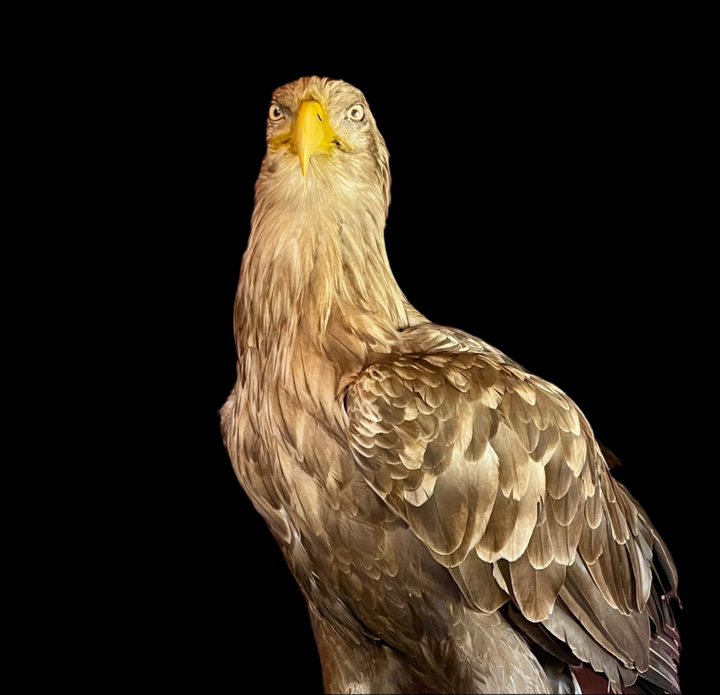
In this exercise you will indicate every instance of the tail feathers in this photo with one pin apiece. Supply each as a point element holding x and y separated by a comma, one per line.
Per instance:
<point>665,645</point>
<point>662,673</point>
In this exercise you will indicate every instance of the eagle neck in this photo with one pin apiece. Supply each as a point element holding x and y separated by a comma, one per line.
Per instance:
<point>313,272</point>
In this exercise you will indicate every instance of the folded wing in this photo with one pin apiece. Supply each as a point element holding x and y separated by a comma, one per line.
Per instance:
<point>499,474</point>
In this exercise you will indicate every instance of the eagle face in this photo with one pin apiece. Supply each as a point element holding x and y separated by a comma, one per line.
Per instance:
<point>323,130</point>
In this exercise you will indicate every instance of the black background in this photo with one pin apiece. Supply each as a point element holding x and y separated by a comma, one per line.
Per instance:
<point>544,207</point>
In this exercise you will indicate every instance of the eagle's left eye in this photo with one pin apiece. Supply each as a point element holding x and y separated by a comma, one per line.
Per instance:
<point>356,113</point>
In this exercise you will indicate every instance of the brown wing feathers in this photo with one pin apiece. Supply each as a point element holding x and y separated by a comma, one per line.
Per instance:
<point>499,474</point>
<point>477,455</point>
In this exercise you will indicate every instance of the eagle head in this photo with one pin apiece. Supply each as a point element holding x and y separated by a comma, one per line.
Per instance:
<point>321,135</point>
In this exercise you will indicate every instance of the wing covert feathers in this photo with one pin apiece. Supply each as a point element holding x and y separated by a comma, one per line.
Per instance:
<point>499,474</point>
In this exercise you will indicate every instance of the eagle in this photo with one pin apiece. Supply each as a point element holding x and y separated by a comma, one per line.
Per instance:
<point>450,518</point>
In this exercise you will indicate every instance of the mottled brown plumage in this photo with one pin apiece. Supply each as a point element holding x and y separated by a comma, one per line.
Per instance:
<point>450,517</point>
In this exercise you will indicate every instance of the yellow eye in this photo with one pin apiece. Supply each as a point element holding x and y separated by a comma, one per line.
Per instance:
<point>275,113</point>
<point>356,113</point>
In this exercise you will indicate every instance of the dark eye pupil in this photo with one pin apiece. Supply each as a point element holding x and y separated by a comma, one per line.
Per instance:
<point>276,111</point>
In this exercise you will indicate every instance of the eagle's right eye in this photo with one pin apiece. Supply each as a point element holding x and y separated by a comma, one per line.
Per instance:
<point>275,113</point>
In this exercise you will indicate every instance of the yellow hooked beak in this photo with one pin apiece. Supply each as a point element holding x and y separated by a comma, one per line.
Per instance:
<point>313,133</point>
